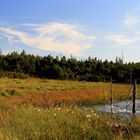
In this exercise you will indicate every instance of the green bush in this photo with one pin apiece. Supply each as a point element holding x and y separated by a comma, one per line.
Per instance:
<point>16,75</point>
<point>9,92</point>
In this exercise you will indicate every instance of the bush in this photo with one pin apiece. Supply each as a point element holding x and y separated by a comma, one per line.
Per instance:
<point>16,75</point>
<point>9,92</point>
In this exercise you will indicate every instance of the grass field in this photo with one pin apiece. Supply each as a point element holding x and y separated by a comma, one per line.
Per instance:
<point>41,109</point>
<point>57,92</point>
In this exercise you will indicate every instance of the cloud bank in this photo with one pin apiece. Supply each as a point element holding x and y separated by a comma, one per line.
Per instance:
<point>59,37</point>
<point>121,40</point>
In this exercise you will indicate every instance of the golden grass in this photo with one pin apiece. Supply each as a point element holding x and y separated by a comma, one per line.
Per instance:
<point>30,106</point>
<point>43,92</point>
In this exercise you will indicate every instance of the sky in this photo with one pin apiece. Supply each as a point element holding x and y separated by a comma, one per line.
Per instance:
<point>79,28</point>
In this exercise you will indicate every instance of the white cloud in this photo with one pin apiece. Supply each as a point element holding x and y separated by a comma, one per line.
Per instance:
<point>131,21</point>
<point>59,37</point>
<point>132,17</point>
<point>121,40</point>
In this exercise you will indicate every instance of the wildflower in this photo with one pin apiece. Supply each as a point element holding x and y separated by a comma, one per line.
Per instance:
<point>85,109</point>
<point>88,116</point>
<point>58,108</point>
<point>54,114</point>
<point>97,116</point>
<point>115,128</point>
<point>89,120</point>
<point>92,111</point>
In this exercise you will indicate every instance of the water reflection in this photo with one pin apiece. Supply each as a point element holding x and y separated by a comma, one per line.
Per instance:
<point>123,107</point>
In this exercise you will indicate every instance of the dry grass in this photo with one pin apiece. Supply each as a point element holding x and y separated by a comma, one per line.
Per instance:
<point>44,92</point>
<point>30,109</point>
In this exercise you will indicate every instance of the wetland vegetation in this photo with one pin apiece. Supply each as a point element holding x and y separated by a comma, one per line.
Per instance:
<point>40,109</point>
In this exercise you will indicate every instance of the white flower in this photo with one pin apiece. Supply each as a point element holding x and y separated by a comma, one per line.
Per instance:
<point>58,108</point>
<point>88,116</point>
<point>95,115</point>
<point>92,111</point>
<point>85,109</point>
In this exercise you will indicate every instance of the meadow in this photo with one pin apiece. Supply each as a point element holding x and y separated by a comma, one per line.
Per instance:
<point>42,109</point>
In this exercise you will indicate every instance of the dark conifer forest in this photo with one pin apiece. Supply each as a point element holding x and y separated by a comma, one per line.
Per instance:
<point>21,65</point>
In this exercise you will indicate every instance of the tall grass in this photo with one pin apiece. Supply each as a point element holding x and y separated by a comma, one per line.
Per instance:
<point>66,123</point>
<point>27,122</point>
<point>40,109</point>
<point>66,92</point>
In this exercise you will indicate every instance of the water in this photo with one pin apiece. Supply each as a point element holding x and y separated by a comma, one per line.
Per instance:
<point>123,107</point>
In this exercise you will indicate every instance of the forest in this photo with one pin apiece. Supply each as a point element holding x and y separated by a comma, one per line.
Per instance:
<point>21,65</point>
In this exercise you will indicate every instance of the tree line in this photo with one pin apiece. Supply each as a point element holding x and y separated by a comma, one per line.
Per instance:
<point>19,65</point>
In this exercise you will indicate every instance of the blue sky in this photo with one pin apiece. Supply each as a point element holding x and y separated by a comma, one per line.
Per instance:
<point>82,28</point>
